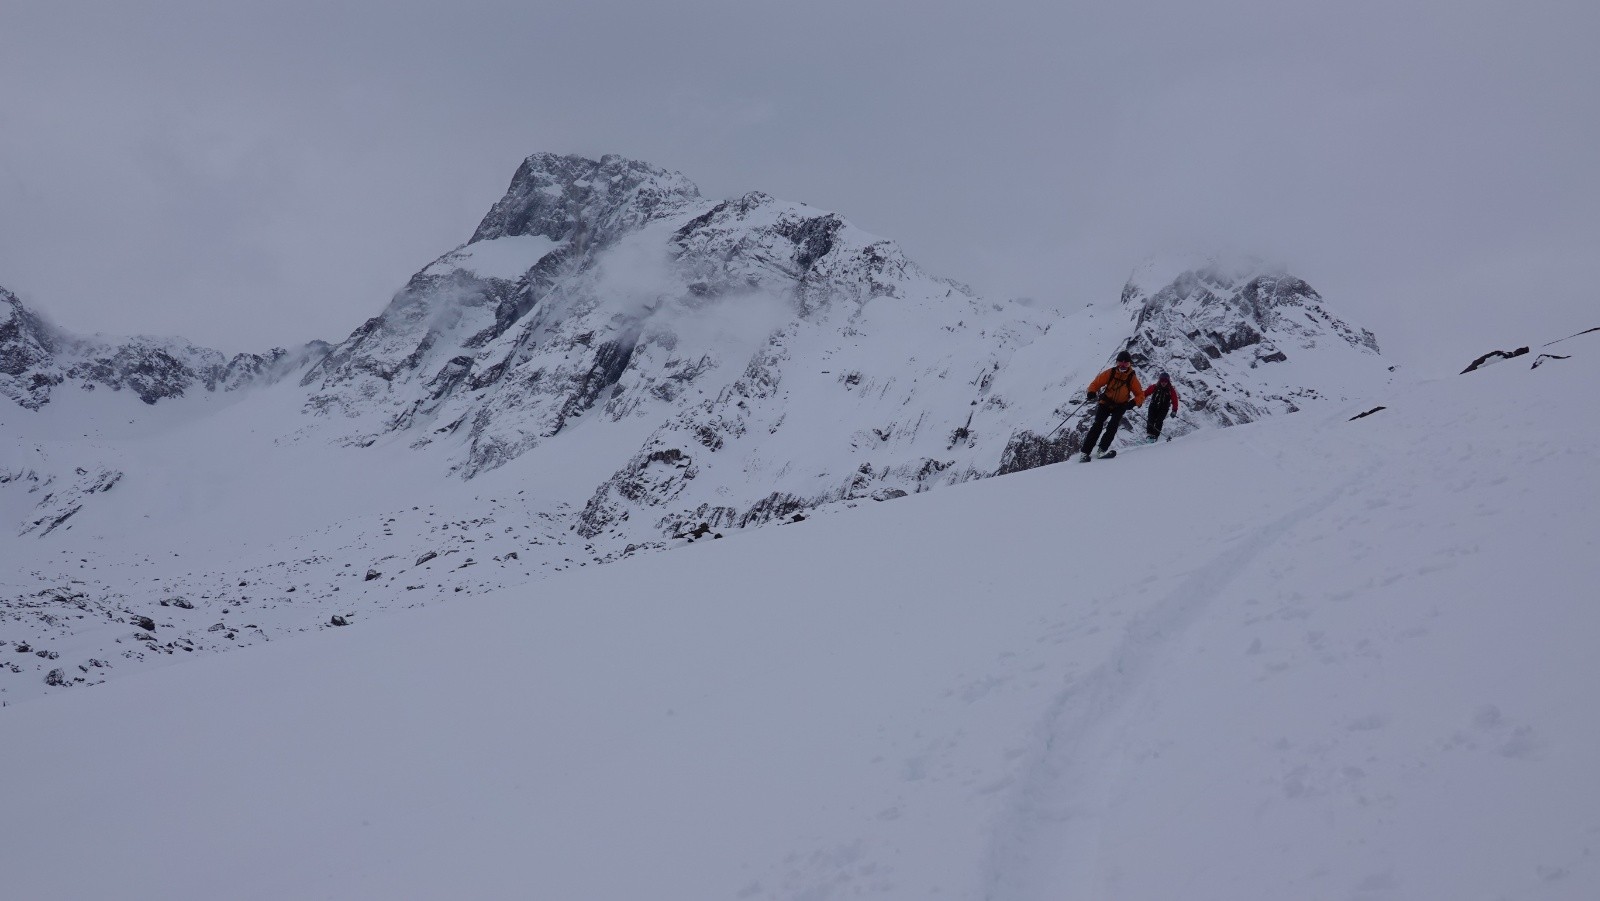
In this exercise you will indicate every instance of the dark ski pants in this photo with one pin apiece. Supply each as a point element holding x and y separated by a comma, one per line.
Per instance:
<point>1155,419</point>
<point>1107,416</point>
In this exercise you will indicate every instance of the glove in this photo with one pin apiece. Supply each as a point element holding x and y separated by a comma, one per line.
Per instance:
<point>1091,396</point>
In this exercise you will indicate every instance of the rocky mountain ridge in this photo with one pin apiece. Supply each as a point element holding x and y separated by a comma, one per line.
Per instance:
<point>36,358</point>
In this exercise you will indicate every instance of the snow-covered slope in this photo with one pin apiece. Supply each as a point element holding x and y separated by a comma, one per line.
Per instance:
<point>1314,656</point>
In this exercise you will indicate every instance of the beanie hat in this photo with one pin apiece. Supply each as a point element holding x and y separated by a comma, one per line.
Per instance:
<point>1124,357</point>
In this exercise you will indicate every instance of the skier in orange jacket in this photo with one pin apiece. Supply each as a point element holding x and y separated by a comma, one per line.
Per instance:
<point>1118,391</point>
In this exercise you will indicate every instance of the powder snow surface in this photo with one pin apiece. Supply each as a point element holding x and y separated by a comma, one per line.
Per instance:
<point>1303,658</point>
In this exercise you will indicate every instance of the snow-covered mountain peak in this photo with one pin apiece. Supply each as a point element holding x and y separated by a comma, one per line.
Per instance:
<point>570,198</point>
<point>1215,267</point>
<point>1193,293</point>
<point>602,286</point>
<point>1245,338</point>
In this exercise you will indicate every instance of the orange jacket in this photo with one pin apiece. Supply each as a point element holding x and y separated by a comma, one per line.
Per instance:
<point>1118,390</point>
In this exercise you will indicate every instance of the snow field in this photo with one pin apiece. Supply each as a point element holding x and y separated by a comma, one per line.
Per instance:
<point>1303,658</point>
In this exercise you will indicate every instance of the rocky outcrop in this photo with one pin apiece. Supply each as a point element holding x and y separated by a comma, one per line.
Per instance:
<point>1493,356</point>
<point>1027,450</point>
<point>27,354</point>
<point>1233,335</point>
<point>56,499</point>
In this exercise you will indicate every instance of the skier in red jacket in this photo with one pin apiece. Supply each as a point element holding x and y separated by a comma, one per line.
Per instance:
<point>1163,397</point>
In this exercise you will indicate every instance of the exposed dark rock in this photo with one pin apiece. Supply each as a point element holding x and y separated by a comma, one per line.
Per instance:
<point>1027,450</point>
<point>1493,356</point>
<point>571,198</point>
<point>1366,414</point>
<point>338,620</point>
<point>145,623</point>
<point>813,238</point>
<point>371,574</point>
<point>27,349</point>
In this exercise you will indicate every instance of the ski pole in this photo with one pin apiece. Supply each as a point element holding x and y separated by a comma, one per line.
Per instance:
<point>1067,420</point>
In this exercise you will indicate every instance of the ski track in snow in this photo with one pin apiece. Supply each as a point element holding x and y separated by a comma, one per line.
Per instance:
<point>1049,838</point>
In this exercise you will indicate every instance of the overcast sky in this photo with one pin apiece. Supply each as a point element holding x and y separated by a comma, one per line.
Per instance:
<point>257,174</point>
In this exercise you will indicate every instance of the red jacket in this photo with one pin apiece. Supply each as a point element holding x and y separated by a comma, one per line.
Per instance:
<point>1173,388</point>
